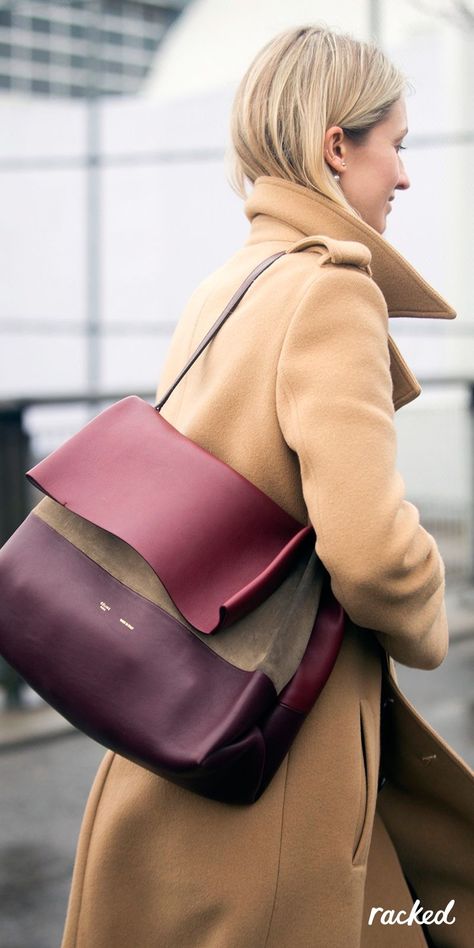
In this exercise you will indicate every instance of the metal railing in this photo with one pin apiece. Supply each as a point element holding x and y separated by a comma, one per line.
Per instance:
<point>16,450</point>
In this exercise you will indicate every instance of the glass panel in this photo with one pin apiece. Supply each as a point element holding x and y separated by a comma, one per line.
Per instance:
<point>40,55</point>
<point>110,36</point>
<point>150,42</point>
<point>76,60</point>
<point>39,25</point>
<point>78,31</point>
<point>40,85</point>
<point>113,67</point>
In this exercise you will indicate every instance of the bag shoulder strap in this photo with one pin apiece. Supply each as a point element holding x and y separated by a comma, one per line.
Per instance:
<point>231,305</point>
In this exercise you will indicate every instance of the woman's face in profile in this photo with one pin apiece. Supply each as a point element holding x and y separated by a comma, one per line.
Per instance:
<point>374,169</point>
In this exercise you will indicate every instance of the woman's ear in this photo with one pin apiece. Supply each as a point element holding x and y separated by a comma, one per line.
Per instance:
<point>335,149</point>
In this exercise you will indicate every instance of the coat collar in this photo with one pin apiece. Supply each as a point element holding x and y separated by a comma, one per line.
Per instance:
<point>282,210</point>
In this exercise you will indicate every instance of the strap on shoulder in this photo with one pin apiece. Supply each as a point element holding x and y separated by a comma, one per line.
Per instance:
<point>231,305</point>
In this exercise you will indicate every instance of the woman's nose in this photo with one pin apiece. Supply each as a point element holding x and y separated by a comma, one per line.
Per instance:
<point>403,180</point>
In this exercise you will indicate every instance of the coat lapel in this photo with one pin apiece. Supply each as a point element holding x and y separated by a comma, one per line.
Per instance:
<point>405,384</point>
<point>282,210</point>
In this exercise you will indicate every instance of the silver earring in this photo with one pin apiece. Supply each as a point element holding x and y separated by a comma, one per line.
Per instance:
<point>336,177</point>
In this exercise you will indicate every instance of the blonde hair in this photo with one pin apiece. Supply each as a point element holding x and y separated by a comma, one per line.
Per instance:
<point>300,84</point>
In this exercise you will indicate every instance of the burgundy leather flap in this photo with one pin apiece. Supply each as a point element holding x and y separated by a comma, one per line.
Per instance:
<point>218,544</point>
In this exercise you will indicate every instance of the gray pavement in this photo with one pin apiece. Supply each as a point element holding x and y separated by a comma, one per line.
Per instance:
<point>46,769</point>
<point>43,790</point>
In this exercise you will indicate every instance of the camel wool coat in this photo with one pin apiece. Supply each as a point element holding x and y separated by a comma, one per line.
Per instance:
<point>298,393</point>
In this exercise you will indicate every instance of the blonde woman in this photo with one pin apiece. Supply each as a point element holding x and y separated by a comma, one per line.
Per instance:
<point>298,392</point>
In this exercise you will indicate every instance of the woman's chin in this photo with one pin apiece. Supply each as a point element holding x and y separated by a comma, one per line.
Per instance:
<point>378,222</point>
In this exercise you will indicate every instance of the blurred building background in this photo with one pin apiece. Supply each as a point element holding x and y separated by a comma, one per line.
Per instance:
<point>45,48</point>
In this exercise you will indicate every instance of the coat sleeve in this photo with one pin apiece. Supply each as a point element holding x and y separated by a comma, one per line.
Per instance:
<point>335,409</point>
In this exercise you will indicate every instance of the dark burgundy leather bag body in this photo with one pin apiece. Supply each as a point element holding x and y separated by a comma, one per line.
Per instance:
<point>165,605</point>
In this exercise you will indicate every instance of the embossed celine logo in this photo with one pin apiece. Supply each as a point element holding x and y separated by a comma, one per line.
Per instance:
<point>106,608</point>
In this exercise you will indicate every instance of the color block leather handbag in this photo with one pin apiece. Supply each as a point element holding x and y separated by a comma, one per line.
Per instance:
<point>166,606</point>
